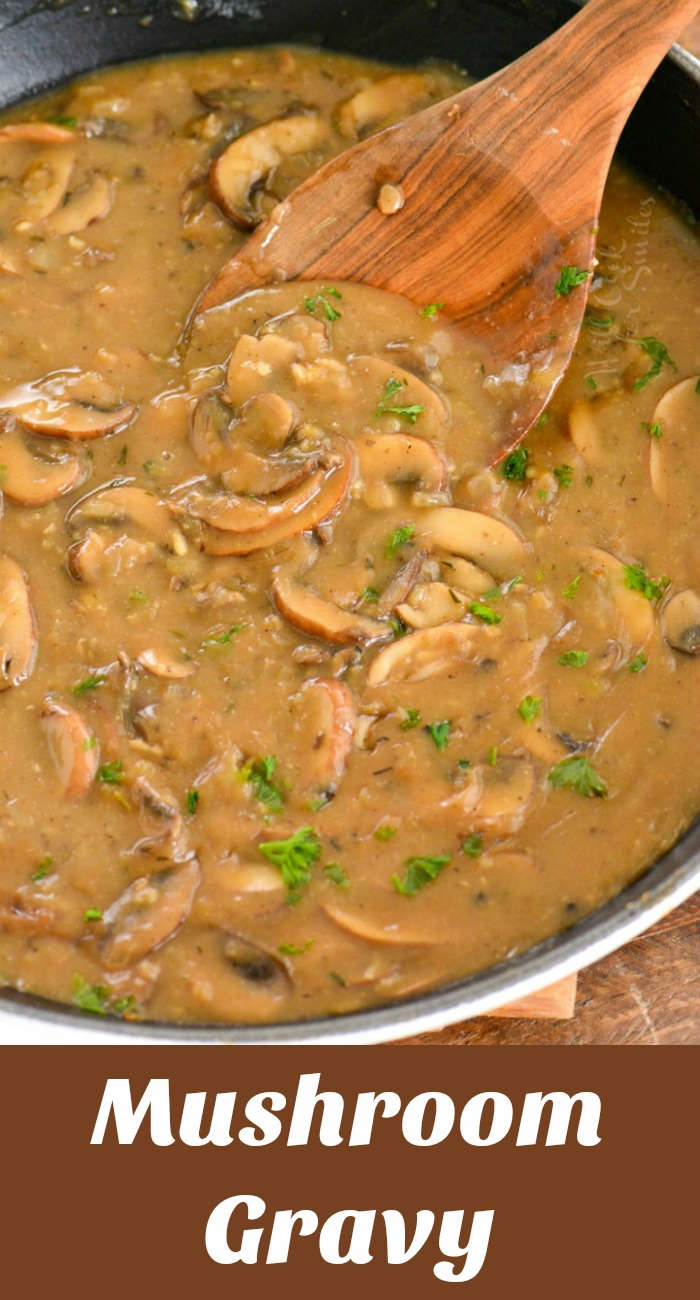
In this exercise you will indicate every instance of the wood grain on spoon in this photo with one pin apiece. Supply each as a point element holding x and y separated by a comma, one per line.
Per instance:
<point>501,185</point>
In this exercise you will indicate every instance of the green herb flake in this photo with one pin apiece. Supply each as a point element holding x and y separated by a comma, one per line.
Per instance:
<point>564,475</point>
<point>121,458</point>
<point>337,979</point>
<point>636,579</point>
<point>473,846</point>
<point>369,595</point>
<point>659,356</point>
<point>259,773</point>
<point>335,872</point>
<point>391,388</point>
<point>138,596</point>
<point>597,322</point>
<point>576,773</point>
<point>111,773</point>
<point>569,278</point>
<point>192,801</point>
<point>431,309</point>
<point>294,950</point>
<point>89,997</point>
<point>124,1005</point>
<point>484,612</point>
<point>591,382</point>
<point>44,868</point>
<point>399,538</point>
<point>530,708</point>
<point>321,300</point>
<point>92,914</point>
<point>385,832</point>
<point>464,764</point>
<point>222,638</point>
<point>439,733</point>
<point>542,418</point>
<point>492,757</point>
<point>398,626</point>
<point>89,684</point>
<point>571,588</point>
<point>573,658</point>
<point>655,430</point>
<point>638,663</point>
<point>412,719</point>
<point>419,872</point>
<point>515,464</point>
<point>294,857</point>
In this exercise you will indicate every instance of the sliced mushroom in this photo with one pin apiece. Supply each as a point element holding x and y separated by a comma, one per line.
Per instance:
<point>45,182</point>
<point>399,587</point>
<point>391,458</point>
<point>235,514</point>
<point>95,559</point>
<point>466,578</point>
<point>265,973</point>
<point>18,638</point>
<point>162,821</point>
<point>360,925</point>
<point>427,653</point>
<point>308,612</point>
<point>243,168</point>
<point>9,261</point>
<point>584,432</point>
<point>474,536</point>
<point>371,376</point>
<point>325,717</point>
<point>678,414</point>
<point>69,404</point>
<point>255,365</point>
<point>72,746</point>
<point>432,603</point>
<point>681,621</point>
<point>633,609</point>
<point>126,504</point>
<point>148,913</point>
<point>37,133</point>
<point>262,428</point>
<point>90,201</point>
<point>321,509</point>
<point>507,788</point>
<point>387,100</point>
<point>161,664</point>
<point>33,481</point>
<point>308,334</point>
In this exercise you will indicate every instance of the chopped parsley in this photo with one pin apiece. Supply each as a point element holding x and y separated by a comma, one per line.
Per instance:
<point>571,588</point>
<point>431,309</point>
<point>259,773</point>
<point>591,382</point>
<point>391,388</point>
<point>639,663</point>
<point>321,300</point>
<point>398,626</point>
<point>636,579</point>
<point>530,708</point>
<point>111,773</point>
<point>411,720</point>
<point>659,356</point>
<point>294,950</point>
<point>192,801</point>
<point>337,979</point>
<point>597,322</point>
<point>439,733</point>
<point>44,868</point>
<point>335,872</point>
<point>89,997</point>
<point>385,832</point>
<point>398,538</point>
<point>419,871</point>
<point>655,430</point>
<point>294,857</point>
<point>577,774</point>
<point>492,757</point>
<point>515,464</point>
<point>473,846</point>
<point>564,475</point>
<point>222,638</point>
<point>138,596</point>
<point>573,658</point>
<point>569,278</point>
<point>484,612</point>
<point>369,595</point>
<point>70,123</point>
<point>92,914</point>
<point>90,683</point>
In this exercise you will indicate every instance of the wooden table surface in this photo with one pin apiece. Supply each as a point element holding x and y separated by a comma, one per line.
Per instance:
<point>647,992</point>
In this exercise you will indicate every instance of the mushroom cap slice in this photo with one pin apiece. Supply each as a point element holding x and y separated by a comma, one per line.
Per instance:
<point>310,613</point>
<point>389,458</point>
<point>324,723</point>
<point>72,747</point>
<point>18,638</point>
<point>160,664</point>
<point>389,99</point>
<point>465,577</point>
<point>359,924</point>
<point>37,133</point>
<point>126,504</point>
<point>322,508</point>
<point>148,913</point>
<point>261,429</point>
<point>68,404</point>
<point>475,536</point>
<point>235,514</point>
<point>584,432</point>
<point>680,619</point>
<point>432,603</point>
<point>678,413</point>
<point>45,182</point>
<point>90,201</point>
<point>507,788</point>
<point>633,609</point>
<point>245,165</point>
<point>427,653</point>
<point>31,481</point>
<point>372,374</point>
<point>255,365</point>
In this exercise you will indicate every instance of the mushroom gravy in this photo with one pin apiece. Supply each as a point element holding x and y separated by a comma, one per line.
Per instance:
<point>303,706</point>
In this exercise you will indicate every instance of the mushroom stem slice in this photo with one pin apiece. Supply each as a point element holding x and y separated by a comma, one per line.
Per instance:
<point>391,98</point>
<point>245,165</point>
<point>72,747</point>
<point>308,612</point>
<point>584,432</point>
<point>468,533</point>
<point>427,653</point>
<point>431,604</point>
<point>634,611</point>
<point>389,458</point>
<point>18,638</point>
<point>148,913</point>
<point>31,481</point>
<point>680,619</point>
<point>68,404</point>
<point>90,201</point>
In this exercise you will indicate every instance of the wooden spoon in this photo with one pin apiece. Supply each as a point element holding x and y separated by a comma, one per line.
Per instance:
<point>502,186</point>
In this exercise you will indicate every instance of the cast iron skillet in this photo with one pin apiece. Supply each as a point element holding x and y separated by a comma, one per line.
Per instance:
<point>44,42</point>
